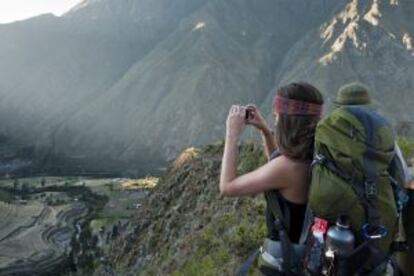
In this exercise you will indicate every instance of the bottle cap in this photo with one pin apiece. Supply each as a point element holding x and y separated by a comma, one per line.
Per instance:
<point>320,225</point>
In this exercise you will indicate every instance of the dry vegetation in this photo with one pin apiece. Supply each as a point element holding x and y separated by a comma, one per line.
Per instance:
<point>184,226</point>
<point>143,183</point>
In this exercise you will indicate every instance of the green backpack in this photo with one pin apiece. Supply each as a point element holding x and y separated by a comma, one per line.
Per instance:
<point>354,149</point>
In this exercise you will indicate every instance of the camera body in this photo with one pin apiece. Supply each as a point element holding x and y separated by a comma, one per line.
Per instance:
<point>249,115</point>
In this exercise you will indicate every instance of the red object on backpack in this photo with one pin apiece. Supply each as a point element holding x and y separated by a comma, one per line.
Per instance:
<point>320,225</point>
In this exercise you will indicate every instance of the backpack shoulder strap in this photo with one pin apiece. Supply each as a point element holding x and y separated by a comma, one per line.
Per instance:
<point>273,203</point>
<point>281,222</point>
<point>272,200</point>
<point>307,224</point>
<point>280,213</point>
<point>373,231</point>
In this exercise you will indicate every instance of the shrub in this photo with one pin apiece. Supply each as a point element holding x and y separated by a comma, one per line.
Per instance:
<point>251,157</point>
<point>5,197</point>
<point>248,236</point>
<point>213,264</point>
<point>407,147</point>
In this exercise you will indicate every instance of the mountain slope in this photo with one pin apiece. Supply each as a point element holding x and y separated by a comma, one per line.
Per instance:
<point>52,67</point>
<point>192,228</point>
<point>121,88</point>
<point>369,41</point>
<point>225,52</point>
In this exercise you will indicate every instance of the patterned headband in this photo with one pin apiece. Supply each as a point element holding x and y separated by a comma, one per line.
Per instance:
<point>295,107</point>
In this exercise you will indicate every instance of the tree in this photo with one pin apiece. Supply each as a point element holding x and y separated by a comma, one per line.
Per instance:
<point>115,232</point>
<point>25,190</point>
<point>94,242</point>
<point>15,185</point>
<point>43,182</point>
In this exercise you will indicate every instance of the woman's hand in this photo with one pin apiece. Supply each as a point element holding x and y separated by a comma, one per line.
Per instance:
<point>235,121</point>
<point>256,119</point>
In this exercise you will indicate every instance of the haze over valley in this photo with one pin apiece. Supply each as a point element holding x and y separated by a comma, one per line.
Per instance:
<point>119,88</point>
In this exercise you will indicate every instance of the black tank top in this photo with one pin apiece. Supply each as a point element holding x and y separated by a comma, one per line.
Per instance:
<point>297,216</point>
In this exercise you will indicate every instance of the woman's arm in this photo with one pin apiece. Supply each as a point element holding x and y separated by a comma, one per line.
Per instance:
<point>272,175</point>
<point>229,160</point>
<point>234,126</point>
<point>256,119</point>
<point>269,142</point>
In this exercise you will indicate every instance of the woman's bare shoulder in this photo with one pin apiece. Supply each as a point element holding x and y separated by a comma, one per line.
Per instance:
<point>279,173</point>
<point>290,170</point>
<point>288,163</point>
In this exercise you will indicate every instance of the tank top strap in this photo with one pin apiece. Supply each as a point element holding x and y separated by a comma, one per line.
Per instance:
<point>276,153</point>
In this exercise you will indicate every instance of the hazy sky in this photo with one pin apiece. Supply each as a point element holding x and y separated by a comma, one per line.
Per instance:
<point>12,10</point>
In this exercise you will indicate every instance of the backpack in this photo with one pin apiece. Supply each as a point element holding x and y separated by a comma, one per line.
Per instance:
<point>355,173</point>
<point>352,176</point>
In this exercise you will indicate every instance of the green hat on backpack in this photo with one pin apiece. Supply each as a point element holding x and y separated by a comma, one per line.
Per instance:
<point>354,93</point>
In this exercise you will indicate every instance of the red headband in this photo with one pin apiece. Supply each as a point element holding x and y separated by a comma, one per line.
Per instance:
<point>295,107</point>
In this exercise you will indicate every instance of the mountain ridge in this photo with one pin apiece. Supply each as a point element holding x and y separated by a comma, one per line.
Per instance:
<point>109,87</point>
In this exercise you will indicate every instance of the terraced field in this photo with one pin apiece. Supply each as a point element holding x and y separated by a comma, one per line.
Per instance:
<point>35,236</point>
<point>26,215</point>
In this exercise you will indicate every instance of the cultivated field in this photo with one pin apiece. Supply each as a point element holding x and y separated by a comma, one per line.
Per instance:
<point>35,232</point>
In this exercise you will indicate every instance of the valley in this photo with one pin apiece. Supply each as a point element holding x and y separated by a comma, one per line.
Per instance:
<point>54,225</point>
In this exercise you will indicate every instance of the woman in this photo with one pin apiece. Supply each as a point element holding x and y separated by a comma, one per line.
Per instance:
<point>297,108</point>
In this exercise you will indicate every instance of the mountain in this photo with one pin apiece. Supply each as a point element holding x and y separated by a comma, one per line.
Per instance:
<point>119,88</point>
<point>369,41</point>
<point>184,86</point>
<point>51,67</point>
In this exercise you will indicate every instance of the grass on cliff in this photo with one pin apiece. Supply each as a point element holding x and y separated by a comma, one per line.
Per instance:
<point>221,247</point>
<point>407,147</point>
<point>185,227</point>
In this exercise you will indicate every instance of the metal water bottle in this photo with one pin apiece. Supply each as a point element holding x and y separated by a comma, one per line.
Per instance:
<point>340,240</point>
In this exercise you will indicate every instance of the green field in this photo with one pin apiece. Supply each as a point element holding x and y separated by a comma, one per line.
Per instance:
<point>30,225</point>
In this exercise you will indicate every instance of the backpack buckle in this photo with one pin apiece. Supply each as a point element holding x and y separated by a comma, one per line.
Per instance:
<point>403,199</point>
<point>279,224</point>
<point>371,191</point>
<point>374,232</point>
<point>318,159</point>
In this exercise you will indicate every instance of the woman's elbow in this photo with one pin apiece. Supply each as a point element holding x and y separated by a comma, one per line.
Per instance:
<point>226,189</point>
